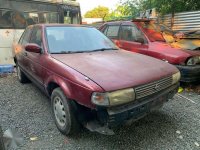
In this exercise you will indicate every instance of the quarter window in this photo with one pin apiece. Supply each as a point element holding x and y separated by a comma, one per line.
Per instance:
<point>105,29</point>
<point>25,37</point>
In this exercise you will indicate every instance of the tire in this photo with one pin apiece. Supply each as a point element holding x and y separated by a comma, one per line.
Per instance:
<point>21,76</point>
<point>2,147</point>
<point>63,113</point>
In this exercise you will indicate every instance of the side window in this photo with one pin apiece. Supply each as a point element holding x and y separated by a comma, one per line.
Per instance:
<point>126,33</point>
<point>18,20</point>
<point>36,36</point>
<point>25,37</point>
<point>22,19</point>
<point>5,19</point>
<point>112,32</point>
<point>105,29</point>
<point>131,33</point>
<point>31,18</point>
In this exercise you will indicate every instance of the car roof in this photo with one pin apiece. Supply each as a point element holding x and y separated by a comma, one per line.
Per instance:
<point>142,20</point>
<point>115,22</point>
<point>60,25</point>
<point>134,20</point>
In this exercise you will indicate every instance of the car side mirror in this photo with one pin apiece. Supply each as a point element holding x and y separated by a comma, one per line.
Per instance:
<point>140,40</point>
<point>34,48</point>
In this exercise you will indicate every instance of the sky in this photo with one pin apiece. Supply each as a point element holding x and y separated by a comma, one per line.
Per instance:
<point>90,4</point>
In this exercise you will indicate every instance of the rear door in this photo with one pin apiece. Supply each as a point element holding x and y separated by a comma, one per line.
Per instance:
<point>130,39</point>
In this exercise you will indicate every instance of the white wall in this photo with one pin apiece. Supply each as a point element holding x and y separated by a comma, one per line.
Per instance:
<point>91,20</point>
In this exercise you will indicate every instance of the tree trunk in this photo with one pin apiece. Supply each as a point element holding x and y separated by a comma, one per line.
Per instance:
<point>173,14</point>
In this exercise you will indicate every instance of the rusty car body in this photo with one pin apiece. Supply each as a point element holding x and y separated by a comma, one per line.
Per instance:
<point>139,36</point>
<point>91,81</point>
<point>189,40</point>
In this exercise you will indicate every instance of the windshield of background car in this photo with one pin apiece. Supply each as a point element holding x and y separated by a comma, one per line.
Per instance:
<point>152,31</point>
<point>77,39</point>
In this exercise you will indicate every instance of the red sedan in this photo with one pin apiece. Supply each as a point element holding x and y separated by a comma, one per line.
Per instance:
<point>89,80</point>
<point>135,36</point>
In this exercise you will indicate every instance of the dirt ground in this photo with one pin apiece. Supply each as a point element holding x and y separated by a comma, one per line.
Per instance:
<point>26,109</point>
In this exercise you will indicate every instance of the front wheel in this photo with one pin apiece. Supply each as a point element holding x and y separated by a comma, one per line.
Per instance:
<point>63,113</point>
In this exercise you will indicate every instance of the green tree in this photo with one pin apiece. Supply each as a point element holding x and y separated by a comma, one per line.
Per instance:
<point>121,12</point>
<point>163,6</point>
<point>98,12</point>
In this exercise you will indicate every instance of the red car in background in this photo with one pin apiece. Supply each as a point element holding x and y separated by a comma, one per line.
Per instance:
<point>89,80</point>
<point>134,37</point>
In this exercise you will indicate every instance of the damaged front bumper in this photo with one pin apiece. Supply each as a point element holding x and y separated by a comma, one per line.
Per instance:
<point>189,73</point>
<point>115,116</point>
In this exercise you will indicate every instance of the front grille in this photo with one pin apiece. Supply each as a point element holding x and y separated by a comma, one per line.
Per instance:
<point>153,87</point>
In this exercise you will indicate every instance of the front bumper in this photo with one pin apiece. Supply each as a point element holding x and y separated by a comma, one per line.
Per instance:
<point>189,73</point>
<point>119,115</point>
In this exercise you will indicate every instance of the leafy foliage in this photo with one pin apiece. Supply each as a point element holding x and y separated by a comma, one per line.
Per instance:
<point>131,8</point>
<point>163,6</point>
<point>98,12</point>
<point>121,12</point>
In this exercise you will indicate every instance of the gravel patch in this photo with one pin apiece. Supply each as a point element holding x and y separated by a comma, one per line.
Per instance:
<point>24,108</point>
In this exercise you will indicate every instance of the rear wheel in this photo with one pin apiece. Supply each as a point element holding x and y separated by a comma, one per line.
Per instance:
<point>21,76</point>
<point>63,113</point>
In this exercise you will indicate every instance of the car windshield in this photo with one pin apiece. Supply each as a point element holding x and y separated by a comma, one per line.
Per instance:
<point>77,40</point>
<point>153,31</point>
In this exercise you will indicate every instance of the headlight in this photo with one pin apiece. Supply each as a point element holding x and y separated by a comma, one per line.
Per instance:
<point>113,98</point>
<point>121,96</point>
<point>176,77</point>
<point>193,61</point>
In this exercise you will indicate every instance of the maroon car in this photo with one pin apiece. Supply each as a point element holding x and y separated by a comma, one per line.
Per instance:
<point>89,80</point>
<point>137,36</point>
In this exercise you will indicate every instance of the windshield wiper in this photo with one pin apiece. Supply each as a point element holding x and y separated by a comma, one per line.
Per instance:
<point>68,52</point>
<point>103,49</point>
<point>95,50</point>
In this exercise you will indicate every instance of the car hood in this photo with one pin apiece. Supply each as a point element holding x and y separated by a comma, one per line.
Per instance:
<point>113,70</point>
<point>189,44</point>
<point>173,55</point>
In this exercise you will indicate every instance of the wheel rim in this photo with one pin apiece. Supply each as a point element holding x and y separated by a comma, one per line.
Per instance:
<point>59,111</point>
<point>19,73</point>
